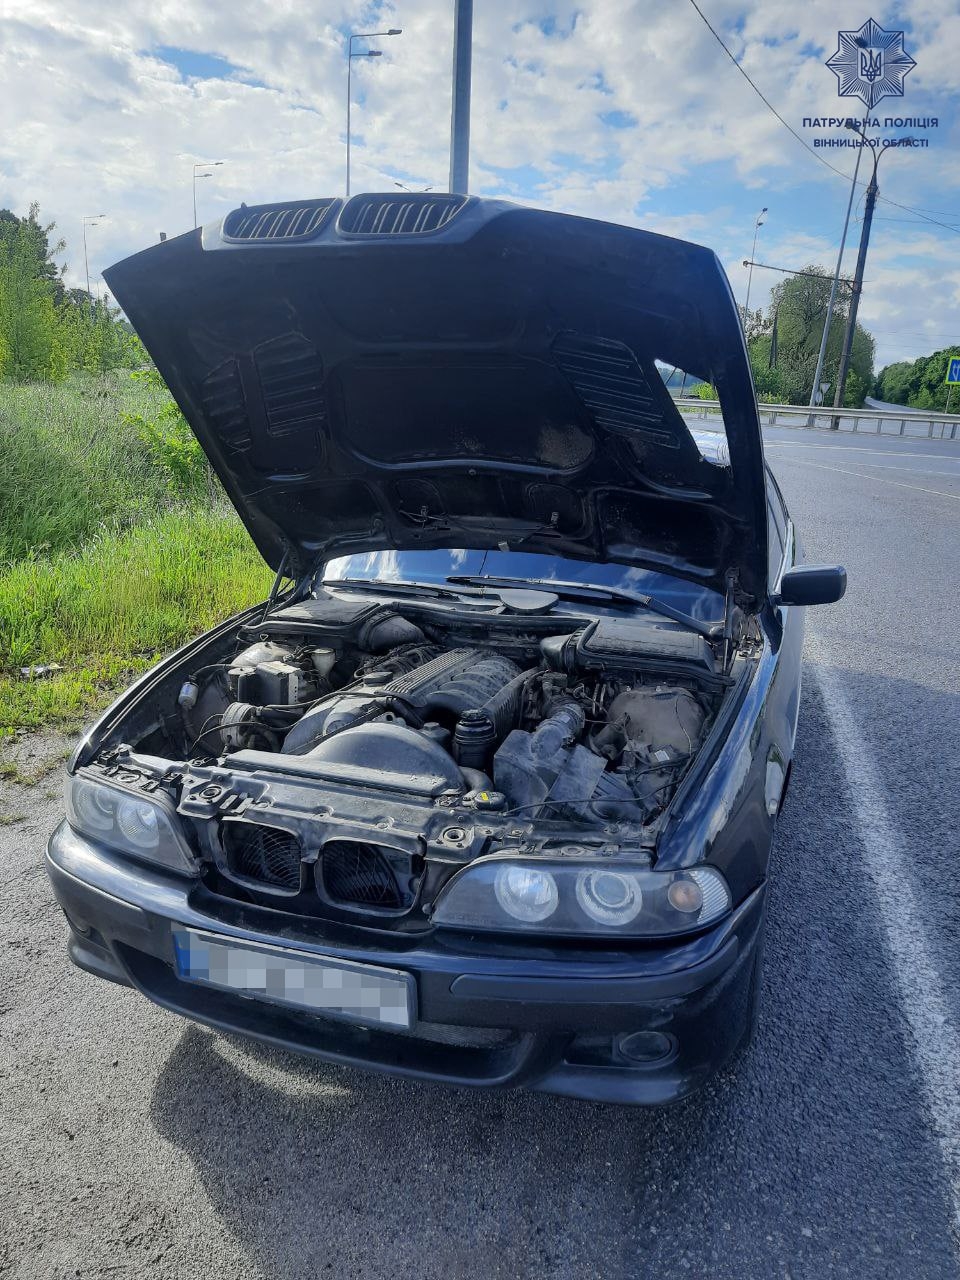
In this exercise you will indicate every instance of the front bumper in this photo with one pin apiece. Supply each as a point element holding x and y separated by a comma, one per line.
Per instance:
<point>490,1015</point>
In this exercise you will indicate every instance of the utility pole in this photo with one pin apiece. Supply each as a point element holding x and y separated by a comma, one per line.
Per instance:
<point>833,288</point>
<point>857,287</point>
<point>855,293</point>
<point>460,109</point>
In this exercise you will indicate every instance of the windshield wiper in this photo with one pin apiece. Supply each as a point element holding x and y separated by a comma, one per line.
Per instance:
<point>396,588</point>
<point>590,591</point>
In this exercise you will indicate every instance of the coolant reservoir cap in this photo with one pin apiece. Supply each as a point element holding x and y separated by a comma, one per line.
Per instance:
<point>488,799</point>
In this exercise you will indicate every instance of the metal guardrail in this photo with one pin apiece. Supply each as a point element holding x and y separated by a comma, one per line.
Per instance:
<point>924,425</point>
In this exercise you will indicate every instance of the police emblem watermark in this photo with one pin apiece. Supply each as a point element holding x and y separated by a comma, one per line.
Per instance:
<point>870,64</point>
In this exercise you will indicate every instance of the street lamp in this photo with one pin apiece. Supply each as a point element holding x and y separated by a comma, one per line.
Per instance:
<point>857,287</point>
<point>413,190</point>
<point>753,253</point>
<point>205,164</point>
<point>92,219</point>
<point>364,53</point>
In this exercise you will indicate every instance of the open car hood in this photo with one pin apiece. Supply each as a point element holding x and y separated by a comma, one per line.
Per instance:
<point>438,371</point>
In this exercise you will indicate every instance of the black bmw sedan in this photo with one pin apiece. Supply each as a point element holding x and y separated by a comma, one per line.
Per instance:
<point>485,792</point>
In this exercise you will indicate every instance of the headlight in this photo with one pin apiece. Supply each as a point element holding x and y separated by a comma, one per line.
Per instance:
<point>526,893</point>
<point>609,897</point>
<point>573,898</point>
<point>145,826</point>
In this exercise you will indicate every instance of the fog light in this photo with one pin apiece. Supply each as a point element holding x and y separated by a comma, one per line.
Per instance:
<point>647,1048</point>
<point>526,893</point>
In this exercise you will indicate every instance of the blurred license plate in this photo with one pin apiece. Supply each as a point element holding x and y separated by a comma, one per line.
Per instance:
<point>336,988</point>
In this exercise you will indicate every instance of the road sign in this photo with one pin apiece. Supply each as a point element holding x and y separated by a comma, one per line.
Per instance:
<point>953,370</point>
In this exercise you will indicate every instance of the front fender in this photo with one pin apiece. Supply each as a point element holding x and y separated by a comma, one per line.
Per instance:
<point>726,816</point>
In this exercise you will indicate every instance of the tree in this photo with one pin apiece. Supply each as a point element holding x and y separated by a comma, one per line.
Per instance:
<point>755,323</point>
<point>40,248</point>
<point>27,299</point>
<point>893,382</point>
<point>800,306</point>
<point>919,383</point>
<point>47,330</point>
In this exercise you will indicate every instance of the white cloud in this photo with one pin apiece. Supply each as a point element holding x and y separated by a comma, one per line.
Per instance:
<point>96,121</point>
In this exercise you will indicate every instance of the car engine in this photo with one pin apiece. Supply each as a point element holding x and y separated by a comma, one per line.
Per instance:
<point>352,764</point>
<point>578,734</point>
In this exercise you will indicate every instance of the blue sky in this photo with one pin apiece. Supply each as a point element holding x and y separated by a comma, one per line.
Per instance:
<point>610,108</point>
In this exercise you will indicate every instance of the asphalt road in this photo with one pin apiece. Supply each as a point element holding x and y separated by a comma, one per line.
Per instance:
<point>132,1143</point>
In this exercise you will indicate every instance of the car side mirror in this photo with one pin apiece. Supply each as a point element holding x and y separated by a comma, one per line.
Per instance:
<point>812,584</point>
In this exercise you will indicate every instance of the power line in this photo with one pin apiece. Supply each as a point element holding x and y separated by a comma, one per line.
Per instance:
<point>915,222</point>
<point>766,101</point>
<point>803,142</point>
<point>942,213</point>
<point>922,216</point>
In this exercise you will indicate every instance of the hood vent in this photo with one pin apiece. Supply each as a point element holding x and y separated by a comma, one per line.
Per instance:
<point>291,379</point>
<point>613,387</point>
<point>388,216</point>
<point>270,223</point>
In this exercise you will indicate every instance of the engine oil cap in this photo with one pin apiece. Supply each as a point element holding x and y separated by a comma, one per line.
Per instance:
<point>377,679</point>
<point>489,800</point>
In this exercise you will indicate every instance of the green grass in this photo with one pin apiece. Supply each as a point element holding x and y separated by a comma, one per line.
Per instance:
<point>109,610</point>
<point>71,465</point>
<point>109,556</point>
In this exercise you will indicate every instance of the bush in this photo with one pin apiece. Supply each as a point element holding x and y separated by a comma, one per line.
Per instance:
<point>169,441</point>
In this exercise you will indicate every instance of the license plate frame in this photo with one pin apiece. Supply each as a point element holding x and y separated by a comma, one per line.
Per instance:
<point>310,982</point>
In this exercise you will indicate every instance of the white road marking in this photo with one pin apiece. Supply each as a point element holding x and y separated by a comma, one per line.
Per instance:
<point>883,453</point>
<point>936,1043</point>
<point>907,471</point>
<point>822,466</point>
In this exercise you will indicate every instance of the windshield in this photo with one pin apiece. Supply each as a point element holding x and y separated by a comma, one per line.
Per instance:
<point>438,565</point>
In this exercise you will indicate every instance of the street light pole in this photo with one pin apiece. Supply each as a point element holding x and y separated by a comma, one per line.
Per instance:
<point>857,286</point>
<point>93,219</point>
<point>366,53</point>
<point>833,288</point>
<point>753,253</point>
<point>207,164</point>
<point>460,104</point>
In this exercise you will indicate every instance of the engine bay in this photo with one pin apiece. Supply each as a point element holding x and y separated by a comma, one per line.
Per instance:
<point>575,728</point>
<point>349,758</point>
